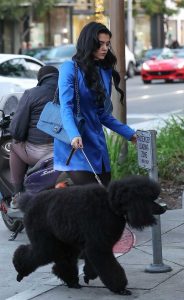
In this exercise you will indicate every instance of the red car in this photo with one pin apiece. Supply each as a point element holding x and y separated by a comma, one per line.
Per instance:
<point>168,66</point>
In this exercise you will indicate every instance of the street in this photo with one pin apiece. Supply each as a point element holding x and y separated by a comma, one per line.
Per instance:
<point>144,102</point>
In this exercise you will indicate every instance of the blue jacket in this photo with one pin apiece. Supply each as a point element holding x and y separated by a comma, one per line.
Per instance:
<point>93,136</point>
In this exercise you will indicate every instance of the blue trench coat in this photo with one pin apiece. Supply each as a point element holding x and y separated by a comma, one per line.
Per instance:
<point>93,136</point>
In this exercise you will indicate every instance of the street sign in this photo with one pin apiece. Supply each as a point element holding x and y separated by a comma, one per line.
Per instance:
<point>144,149</point>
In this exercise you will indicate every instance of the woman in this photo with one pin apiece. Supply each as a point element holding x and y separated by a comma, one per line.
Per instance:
<point>96,68</point>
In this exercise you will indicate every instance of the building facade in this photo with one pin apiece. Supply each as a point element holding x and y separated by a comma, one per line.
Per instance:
<point>63,23</point>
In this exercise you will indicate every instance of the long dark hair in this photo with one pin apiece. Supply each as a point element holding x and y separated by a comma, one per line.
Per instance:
<point>87,44</point>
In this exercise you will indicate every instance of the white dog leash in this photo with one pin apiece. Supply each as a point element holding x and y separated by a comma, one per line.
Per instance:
<point>96,176</point>
<point>70,156</point>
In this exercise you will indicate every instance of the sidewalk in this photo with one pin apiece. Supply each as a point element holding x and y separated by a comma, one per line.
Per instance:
<point>144,286</point>
<point>157,286</point>
<point>155,121</point>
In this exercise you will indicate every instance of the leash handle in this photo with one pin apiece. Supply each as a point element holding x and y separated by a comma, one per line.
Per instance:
<point>70,156</point>
<point>96,176</point>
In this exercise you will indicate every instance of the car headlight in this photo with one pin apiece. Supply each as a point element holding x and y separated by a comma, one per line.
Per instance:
<point>145,67</point>
<point>180,65</point>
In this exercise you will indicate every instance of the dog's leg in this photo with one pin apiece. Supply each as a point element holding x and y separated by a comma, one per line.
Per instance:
<point>89,272</point>
<point>66,269</point>
<point>109,270</point>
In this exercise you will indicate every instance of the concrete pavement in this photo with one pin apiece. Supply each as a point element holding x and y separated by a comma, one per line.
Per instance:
<point>157,286</point>
<point>152,121</point>
<point>161,286</point>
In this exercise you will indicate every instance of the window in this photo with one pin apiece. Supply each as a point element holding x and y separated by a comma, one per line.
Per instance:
<point>32,69</point>
<point>12,68</point>
<point>20,67</point>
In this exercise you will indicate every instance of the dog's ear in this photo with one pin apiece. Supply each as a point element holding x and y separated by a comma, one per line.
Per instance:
<point>118,195</point>
<point>131,192</point>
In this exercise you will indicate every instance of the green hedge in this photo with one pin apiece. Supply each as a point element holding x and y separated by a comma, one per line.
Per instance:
<point>169,147</point>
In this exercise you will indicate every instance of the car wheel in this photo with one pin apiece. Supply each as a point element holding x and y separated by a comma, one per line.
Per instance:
<point>131,70</point>
<point>168,80</point>
<point>11,223</point>
<point>5,145</point>
<point>147,81</point>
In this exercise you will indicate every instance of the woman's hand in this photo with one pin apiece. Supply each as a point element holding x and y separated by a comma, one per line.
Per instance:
<point>134,139</point>
<point>76,143</point>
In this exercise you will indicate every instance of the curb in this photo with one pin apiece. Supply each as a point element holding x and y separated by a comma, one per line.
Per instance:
<point>182,200</point>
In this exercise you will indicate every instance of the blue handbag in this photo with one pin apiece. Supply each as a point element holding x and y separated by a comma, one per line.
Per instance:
<point>50,120</point>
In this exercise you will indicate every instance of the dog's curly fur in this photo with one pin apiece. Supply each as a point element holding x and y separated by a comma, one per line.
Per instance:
<point>61,223</point>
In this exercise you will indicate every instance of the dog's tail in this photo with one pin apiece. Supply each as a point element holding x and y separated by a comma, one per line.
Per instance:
<point>24,201</point>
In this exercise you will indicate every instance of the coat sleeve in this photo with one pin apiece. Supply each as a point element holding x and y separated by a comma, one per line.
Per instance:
<point>20,122</point>
<point>66,98</point>
<point>105,115</point>
<point>115,125</point>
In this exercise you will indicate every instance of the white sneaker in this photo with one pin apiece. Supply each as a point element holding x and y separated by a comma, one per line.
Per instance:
<point>15,213</point>
<point>14,202</point>
<point>13,205</point>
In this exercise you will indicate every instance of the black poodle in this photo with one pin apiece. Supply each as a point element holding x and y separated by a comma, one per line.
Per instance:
<point>61,223</point>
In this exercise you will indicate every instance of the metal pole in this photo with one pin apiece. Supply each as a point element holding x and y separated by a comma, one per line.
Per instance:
<point>158,266</point>
<point>71,23</point>
<point>130,25</point>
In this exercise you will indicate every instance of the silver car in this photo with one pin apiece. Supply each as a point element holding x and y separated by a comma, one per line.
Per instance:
<point>17,73</point>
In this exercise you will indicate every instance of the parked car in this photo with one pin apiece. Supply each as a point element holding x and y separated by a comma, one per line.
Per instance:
<point>57,55</point>
<point>17,73</point>
<point>166,66</point>
<point>38,53</point>
<point>130,62</point>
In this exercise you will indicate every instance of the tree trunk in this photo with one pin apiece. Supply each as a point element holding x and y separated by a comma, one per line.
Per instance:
<point>118,45</point>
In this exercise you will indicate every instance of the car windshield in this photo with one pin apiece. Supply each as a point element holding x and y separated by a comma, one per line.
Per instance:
<point>165,55</point>
<point>152,52</point>
<point>60,52</point>
<point>180,54</point>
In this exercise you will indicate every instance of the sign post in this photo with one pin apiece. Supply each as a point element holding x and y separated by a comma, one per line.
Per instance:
<point>146,150</point>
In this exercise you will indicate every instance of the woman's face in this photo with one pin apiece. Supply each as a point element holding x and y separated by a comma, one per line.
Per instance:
<point>104,41</point>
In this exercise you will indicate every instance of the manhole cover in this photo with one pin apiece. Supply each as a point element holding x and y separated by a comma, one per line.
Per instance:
<point>126,242</point>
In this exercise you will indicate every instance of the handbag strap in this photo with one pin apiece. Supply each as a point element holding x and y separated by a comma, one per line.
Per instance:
<point>76,87</point>
<point>56,94</point>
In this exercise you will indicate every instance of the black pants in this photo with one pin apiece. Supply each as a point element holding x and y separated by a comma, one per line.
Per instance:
<point>85,177</point>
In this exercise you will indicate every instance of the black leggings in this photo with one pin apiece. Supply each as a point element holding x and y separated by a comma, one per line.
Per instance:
<point>85,177</point>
